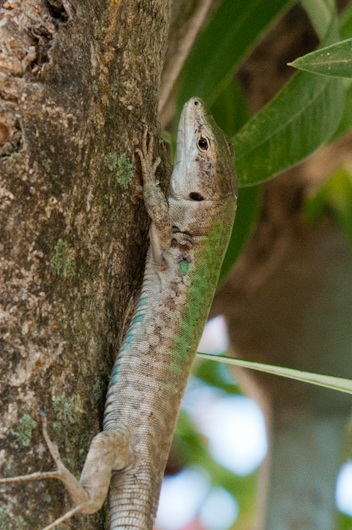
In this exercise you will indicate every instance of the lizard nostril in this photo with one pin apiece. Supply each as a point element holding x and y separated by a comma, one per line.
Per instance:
<point>194,196</point>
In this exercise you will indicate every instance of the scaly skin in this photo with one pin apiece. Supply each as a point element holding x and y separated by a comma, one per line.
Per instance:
<point>155,359</point>
<point>189,235</point>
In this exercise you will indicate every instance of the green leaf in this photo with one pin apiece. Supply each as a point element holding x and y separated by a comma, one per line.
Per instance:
<point>243,488</point>
<point>248,207</point>
<point>326,381</point>
<point>301,117</point>
<point>346,23</point>
<point>344,522</point>
<point>346,120</point>
<point>230,109</point>
<point>221,47</point>
<point>346,33</point>
<point>321,13</point>
<point>231,112</point>
<point>334,60</point>
<point>220,377</point>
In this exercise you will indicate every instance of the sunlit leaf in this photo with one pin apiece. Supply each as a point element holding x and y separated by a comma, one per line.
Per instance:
<point>302,116</point>
<point>326,381</point>
<point>334,60</point>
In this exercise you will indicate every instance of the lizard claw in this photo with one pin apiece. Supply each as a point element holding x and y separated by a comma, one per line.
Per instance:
<point>67,515</point>
<point>156,163</point>
<point>147,144</point>
<point>146,157</point>
<point>109,450</point>
<point>78,494</point>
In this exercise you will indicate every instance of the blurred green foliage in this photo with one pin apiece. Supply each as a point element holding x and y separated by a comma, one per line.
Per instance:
<point>308,112</point>
<point>193,449</point>
<point>334,197</point>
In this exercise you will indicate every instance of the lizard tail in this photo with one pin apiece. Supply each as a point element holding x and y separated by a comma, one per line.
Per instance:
<point>128,510</point>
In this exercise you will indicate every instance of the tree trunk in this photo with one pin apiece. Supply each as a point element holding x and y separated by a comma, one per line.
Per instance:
<point>78,80</point>
<point>305,456</point>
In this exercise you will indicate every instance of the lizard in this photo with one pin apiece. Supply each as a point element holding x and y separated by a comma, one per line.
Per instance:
<point>189,235</point>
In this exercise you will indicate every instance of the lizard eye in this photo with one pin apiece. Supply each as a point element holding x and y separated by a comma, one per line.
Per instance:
<point>203,144</point>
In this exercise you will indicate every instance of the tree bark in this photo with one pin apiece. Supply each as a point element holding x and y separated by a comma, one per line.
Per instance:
<point>78,80</point>
<point>305,458</point>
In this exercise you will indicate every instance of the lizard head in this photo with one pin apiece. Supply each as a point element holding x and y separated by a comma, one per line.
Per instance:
<point>204,167</point>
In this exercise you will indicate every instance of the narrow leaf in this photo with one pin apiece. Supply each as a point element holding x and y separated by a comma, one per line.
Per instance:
<point>346,23</point>
<point>346,120</point>
<point>334,60</point>
<point>230,108</point>
<point>301,117</point>
<point>248,207</point>
<point>321,13</point>
<point>221,47</point>
<point>326,381</point>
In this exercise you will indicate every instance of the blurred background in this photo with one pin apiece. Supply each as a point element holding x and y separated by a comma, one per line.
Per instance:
<point>255,451</point>
<point>223,433</point>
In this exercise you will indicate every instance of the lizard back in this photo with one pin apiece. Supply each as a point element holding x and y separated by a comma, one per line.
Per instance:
<point>154,361</point>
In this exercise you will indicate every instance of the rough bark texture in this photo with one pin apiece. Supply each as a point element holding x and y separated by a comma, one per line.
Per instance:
<point>77,81</point>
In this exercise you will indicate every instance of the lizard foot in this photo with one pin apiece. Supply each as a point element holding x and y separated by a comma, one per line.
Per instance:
<point>155,201</point>
<point>108,451</point>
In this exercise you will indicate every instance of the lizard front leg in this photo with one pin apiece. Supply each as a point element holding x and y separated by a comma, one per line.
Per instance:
<point>155,202</point>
